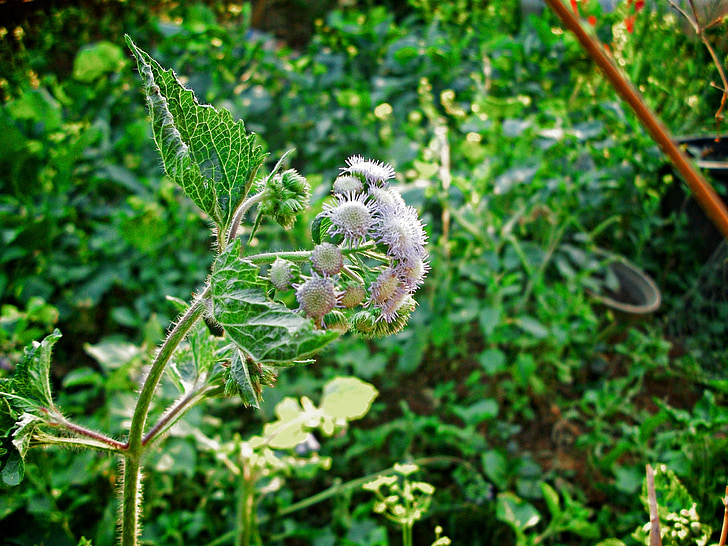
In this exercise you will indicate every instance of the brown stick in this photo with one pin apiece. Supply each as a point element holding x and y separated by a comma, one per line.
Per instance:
<point>724,531</point>
<point>704,193</point>
<point>655,539</point>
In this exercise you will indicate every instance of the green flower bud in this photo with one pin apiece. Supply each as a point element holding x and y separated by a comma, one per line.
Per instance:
<point>317,296</point>
<point>281,274</point>
<point>353,295</point>
<point>327,259</point>
<point>286,194</point>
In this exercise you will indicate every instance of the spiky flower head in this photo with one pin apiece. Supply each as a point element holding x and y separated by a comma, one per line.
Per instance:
<point>317,296</point>
<point>353,294</point>
<point>400,230</point>
<point>327,259</point>
<point>374,172</point>
<point>385,196</point>
<point>286,194</point>
<point>350,217</point>
<point>347,183</point>
<point>387,293</point>
<point>281,274</point>
<point>412,273</point>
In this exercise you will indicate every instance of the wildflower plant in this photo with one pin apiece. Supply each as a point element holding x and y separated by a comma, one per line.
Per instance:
<point>404,501</point>
<point>366,260</point>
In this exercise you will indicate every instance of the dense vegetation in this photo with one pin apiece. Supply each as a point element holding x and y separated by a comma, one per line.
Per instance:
<point>514,389</point>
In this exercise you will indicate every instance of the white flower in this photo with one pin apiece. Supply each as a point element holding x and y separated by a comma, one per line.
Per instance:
<point>351,217</point>
<point>399,228</point>
<point>374,172</point>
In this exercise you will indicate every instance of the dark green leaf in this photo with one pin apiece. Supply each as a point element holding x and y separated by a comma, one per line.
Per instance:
<point>265,330</point>
<point>204,150</point>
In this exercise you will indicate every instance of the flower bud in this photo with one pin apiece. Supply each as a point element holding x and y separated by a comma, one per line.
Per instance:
<point>347,184</point>
<point>286,195</point>
<point>353,295</point>
<point>316,296</point>
<point>327,259</point>
<point>281,274</point>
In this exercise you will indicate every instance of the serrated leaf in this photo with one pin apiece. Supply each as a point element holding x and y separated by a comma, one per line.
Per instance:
<point>238,381</point>
<point>25,403</point>
<point>30,385</point>
<point>265,330</point>
<point>204,150</point>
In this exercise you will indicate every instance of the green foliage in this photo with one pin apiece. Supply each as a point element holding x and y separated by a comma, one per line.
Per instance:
<point>27,403</point>
<point>206,152</point>
<point>509,363</point>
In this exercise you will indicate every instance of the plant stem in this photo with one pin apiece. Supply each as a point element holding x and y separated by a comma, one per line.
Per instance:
<point>176,411</point>
<point>242,209</point>
<point>724,529</point>
<point>40,438</point>
<point>98,437</point>
<point>704,193</point>
<point>131,490</point>
<point>407,533</point>
<point>270,257</point>
<point>245,520</point>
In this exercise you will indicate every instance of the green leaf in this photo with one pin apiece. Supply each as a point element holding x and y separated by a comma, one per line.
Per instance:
<point>195,360</point>
<point>552,500</point>
<point>516,512</point>
<point>95,60</point>
<point>348,398</point>
<point>204,150</point>
<point>265,330</point>
<point>25,403</point>
<point>30,386</point>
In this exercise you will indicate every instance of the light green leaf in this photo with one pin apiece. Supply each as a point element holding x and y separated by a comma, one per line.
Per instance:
<point>293,426</point>
<point>265,330</point>
<point>552,500</point>
<point>204,150</point>
<point>516,512</point>
<point>348,398</point>
<point>95,60</point>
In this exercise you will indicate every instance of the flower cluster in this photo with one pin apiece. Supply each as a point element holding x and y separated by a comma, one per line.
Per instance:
<point>369,258</point>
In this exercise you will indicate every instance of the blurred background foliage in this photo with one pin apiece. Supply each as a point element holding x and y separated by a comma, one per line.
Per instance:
<point>526,167</point>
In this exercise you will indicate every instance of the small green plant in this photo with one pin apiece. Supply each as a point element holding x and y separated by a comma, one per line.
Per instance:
<point>403,501</point>
<point>275,310</point>
<point>286,445</point>
<point>567,516</point>
<point>673,516</point>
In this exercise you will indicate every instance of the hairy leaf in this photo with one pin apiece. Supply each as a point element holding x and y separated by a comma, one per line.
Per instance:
<point>25,402</point>
<point>204,150</point>
<point>265,330</point>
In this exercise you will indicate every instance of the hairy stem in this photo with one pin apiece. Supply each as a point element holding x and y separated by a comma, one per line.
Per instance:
<point>247,525</point>
<point>131,490</point>
<point>704,193</point>
<point>176,411</point>
<point>242,209</point>
<point>92,434</point>
<point>44,439</point>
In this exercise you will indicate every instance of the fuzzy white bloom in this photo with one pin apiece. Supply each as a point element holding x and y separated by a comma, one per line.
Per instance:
<point>400,230</point>
<point>351,217</point>
<point>374,172</point>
